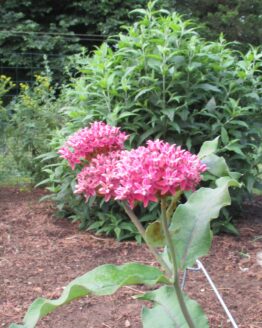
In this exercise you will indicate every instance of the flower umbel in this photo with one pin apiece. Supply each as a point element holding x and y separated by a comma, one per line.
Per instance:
<point>87,143</point>
<point>143,174</point>
<point>99,178</point>
<point>157,170</point>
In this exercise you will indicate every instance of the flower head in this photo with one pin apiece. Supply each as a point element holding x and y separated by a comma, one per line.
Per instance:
<point>87,143</point>
<point>143,174</point>
<point>159,169</point>
<point>98,178</point>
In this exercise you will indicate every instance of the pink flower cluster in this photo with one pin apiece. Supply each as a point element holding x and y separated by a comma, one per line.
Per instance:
<point>86,143</point>
<point>143,174</point>
<point>99,177</point>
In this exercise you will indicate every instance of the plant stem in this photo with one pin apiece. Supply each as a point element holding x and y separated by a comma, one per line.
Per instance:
<point>171,247</point>
<point>142,231</point>
<point>171,208</point>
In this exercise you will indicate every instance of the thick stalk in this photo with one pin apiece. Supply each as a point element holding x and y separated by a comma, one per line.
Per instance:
<point>171,248</point>
<point>171,208</point>
<point>142,231</point>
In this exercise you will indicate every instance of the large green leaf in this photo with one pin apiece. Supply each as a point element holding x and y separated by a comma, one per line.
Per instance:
<point>166,311</point>
<point>216,165</point>
<point>208,148</point>
<point>103,280</point>
<point>190,225</point>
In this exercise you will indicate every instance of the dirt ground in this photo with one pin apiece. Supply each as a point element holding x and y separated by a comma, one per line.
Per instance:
<point>40,254</point>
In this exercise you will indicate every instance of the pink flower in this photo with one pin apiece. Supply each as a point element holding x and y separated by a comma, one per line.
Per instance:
<point>159,169</point>
<point>141,175</point>
<point>98,178</point>
<point>86,143</point>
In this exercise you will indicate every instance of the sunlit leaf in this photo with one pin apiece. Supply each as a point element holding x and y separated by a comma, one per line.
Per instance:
<point>166,311</point>
<point>190,225</point>
<point>103,280</point>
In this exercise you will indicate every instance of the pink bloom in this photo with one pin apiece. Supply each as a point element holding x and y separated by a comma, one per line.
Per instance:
<point>159,169</point>
<point>98,178</point>
<point>86,143</point>
<point>141,175</point>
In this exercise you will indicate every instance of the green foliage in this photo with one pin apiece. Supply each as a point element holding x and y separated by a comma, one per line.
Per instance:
<point>189,234</point>
<point>113,224</point>
<point>162,80</point>
<point>239,20</point>
<point>190,225</point>
<point>34,115</point>
<point>6,85</point>
<point>103,280</point>
<point>9,172</point>
<point>166,310</point>
<point>52,27</point>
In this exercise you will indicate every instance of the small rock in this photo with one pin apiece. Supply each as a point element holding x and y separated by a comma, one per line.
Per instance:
<point>259,258</point>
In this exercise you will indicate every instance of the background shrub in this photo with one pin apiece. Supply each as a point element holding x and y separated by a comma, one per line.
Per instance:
<point>33,115</point>
<point>162,80</point>
<point>30,27</point>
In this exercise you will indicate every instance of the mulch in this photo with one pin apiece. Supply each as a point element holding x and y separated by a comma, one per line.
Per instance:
<point>40,254</point>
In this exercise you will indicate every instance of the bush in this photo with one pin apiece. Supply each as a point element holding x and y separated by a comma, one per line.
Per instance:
<point>162,80</point>
<point>33,116</point>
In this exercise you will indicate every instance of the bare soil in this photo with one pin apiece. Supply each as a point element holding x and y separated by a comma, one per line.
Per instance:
<point>39,255</point>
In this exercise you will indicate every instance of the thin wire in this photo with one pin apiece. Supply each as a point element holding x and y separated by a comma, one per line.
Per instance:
<point>183,283</point>
<point>232,320</point>
<point>200,266</point>
<point>59,34</point>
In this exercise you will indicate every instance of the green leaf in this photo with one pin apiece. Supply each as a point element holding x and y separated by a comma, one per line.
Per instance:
<point>148,133</point>
<point>142,92</point>
<point>190,225</point>
<point>166,311</point>
<point>155,235</point>
<point>103,280</point>
<point>138,11</point>
<point>211,104</point>
<point>224,136</point>
<point>170,113</point>
<point>216,165</point>
<point>236,149</point>
<point>188,143</point>
<point>208,148</point>
<point>208,87</point>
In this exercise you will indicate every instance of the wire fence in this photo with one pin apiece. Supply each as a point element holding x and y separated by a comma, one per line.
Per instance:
<point>28,64</point>
<point>34,63</point>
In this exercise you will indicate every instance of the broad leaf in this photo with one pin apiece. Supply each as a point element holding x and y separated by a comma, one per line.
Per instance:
<point>190,225</point>
<point>103,280</point>
<point>208,148</point>
<point>216,165</point>
<point>155,235</point>
<point>166,311</point>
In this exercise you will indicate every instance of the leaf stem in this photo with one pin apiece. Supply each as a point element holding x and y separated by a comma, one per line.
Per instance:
<point>171,248</point>
<point>142,231</point>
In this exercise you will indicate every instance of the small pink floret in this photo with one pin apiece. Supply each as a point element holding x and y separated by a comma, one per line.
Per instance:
<point>87,143</point>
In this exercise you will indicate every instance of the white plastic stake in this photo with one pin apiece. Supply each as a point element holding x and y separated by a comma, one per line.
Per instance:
<point>201,266</point>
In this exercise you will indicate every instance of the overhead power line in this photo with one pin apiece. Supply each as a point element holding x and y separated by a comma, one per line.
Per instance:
<point>67,36</point>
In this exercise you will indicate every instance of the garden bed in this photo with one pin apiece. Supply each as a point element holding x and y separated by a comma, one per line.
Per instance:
<point>40,254</point>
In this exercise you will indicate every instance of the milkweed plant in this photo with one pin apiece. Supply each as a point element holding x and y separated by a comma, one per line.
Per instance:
<point>157,172</point>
